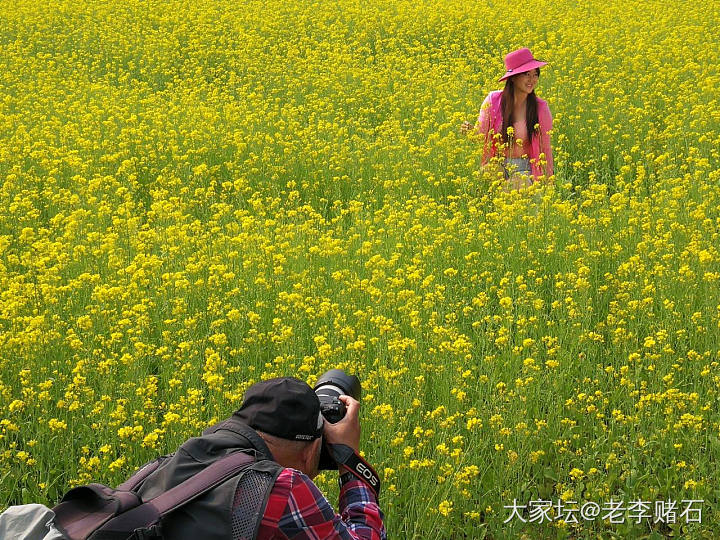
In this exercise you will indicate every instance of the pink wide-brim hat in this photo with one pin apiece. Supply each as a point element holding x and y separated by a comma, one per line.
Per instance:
<point>520,61</point>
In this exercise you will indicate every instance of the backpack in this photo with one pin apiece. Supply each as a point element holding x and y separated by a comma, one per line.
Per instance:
<point>98,512</point>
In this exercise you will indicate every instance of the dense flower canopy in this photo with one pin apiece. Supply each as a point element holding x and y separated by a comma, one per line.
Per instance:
<point>198,195</point>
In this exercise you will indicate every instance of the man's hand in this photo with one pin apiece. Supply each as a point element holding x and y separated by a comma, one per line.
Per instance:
<point>347,430</point>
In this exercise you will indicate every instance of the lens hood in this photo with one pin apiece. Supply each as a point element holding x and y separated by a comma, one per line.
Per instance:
<point>336,382</point>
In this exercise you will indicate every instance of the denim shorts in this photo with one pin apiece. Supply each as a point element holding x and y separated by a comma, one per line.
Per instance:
<point>516,166</point>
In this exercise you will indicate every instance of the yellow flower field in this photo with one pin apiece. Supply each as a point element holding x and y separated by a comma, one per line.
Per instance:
<point>199,195</point>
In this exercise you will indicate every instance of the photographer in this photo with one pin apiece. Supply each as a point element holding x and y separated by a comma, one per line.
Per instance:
<point>280,423</point>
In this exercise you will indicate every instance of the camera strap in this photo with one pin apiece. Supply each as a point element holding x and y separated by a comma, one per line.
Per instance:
<point>346,456</point>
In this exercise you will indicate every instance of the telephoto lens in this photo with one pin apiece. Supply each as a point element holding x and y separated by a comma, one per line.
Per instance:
<point>330,386</point>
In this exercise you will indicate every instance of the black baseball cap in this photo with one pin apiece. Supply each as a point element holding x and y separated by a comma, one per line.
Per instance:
<point>285,407</point>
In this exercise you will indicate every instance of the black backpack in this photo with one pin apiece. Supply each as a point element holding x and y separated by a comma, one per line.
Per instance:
<point>98,512</point>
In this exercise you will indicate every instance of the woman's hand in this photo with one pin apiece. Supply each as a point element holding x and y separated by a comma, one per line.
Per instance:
<point>465,127</point>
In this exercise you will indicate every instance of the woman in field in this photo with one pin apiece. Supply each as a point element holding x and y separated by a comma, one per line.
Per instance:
<point>515,123</point>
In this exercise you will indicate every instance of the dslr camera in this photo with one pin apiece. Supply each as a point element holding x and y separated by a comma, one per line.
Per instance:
<point>328,388</point>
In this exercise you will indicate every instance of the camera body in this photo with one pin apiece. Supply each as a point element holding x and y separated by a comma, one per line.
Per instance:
<point>332,408</point>
<point>330,385</point>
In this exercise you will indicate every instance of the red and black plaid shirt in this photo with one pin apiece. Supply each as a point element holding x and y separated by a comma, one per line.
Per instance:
<point>297,509</point>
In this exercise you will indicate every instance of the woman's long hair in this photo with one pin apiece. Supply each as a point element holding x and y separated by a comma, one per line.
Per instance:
<point>507,102</point>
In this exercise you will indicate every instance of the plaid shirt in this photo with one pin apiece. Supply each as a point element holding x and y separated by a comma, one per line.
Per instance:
<point>297,509</point>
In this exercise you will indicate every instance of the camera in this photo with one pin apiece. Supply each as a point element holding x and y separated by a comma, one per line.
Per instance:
<point>328,388</point>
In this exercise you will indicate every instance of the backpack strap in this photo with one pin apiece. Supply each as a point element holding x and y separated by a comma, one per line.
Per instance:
<point>141,474</point>
<point>203,481</point>
<point>151,512</point>
<point>243,430</point>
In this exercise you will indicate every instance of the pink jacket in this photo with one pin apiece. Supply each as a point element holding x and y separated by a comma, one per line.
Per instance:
<point>490,122</point>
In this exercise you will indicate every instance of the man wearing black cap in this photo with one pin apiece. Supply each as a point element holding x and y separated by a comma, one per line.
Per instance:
<point>279,422</point>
